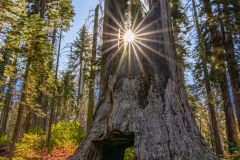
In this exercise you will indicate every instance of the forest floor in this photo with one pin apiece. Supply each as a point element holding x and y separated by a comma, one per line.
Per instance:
<point>56,154</point>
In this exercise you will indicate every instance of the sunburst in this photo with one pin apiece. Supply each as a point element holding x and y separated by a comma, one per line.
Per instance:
<point>132,39</point>
<point>129,37</point>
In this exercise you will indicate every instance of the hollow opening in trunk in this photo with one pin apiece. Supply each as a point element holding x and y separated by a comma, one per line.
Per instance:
<point>114,147</point>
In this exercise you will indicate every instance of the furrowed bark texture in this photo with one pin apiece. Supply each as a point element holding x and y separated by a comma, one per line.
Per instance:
<point>145,109</point>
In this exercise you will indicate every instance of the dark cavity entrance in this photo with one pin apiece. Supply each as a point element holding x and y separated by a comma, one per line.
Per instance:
<point>113,148</point>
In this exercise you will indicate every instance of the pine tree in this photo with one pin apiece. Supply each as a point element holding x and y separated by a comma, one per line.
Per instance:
<point>35,52</point>
<point>82,58</point>
<point>206,82</point>
<point>216,52</point>
<point>27,38</point>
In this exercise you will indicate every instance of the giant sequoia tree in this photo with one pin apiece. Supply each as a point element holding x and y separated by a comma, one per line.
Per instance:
<point>142,102</point>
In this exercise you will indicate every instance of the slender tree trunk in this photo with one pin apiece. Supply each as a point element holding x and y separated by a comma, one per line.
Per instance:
<point>6,107</point>
<point>83,102</point>
<point>27,121</point>
<point>44,99</point>
<point>91,97</point>
<point>3,86</point>
<point>231,125</point>
<point>231,59</point>
<point>30,115</point>
<point>211,107</point>
<point>148,111</point>
<point>80,83</point>
<point>42,121</point>
<point>22,106</point>
<point>9,85</point>
<point>212,144</point>
<point>42,8</point>
<point>214,122</point>
<point>216,40</point>
<point>54,92</point>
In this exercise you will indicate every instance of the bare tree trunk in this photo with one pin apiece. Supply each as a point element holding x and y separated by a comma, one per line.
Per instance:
<point>91,96</point>
<point>149,111</point>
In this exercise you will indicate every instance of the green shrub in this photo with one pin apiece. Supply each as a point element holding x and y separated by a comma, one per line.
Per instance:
<point>30,146</point>
<point>66,133</point>
<point>129,154</point>
<point>4,139</point>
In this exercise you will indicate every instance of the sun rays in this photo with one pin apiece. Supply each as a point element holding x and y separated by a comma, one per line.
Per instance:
<point>129,37</point>
<point>132,38</point>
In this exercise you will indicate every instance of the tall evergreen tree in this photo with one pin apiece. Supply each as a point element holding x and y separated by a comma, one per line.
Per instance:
<point>82,63</point>
<point>206,81</point>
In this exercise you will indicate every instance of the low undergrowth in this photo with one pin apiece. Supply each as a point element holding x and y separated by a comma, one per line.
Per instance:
<point>65,138</point>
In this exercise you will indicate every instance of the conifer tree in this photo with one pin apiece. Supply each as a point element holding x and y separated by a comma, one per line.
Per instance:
<point>82,58</point>
<point>206,82</point>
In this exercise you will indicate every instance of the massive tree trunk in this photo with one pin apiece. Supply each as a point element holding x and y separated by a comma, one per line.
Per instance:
<point>147,109</point>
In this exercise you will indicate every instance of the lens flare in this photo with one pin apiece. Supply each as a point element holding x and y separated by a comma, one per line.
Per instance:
<point>129,36</point>
<point>131,40</point>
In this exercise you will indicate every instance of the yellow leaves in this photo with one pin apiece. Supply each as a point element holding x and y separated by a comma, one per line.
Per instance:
<point>29,146</point>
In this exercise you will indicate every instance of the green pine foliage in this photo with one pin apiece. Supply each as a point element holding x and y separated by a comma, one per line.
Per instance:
<point>82,51</point>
